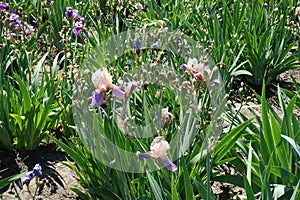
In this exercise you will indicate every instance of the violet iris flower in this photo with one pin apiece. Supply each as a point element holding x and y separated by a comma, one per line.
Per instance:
<point>30,30</point>
<point>137,44</point>
<point>197,69</point>
<point>78,27</point>
<point>155,46</point>
<point>72,13</point>
<point>14,21</point>
<point>37,171</point>
<point>4,6</point>
<point>128,63</point>
<point>78,20</point>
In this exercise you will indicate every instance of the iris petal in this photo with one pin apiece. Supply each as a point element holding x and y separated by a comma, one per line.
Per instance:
<point>142,156</point>
<point>37,170</point>
<point>97,98</point>
<point>169,164</point>
<point>29,176</point>
<point>117,92</point>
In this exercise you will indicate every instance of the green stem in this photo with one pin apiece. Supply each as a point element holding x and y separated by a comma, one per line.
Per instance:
<point>208,174</point>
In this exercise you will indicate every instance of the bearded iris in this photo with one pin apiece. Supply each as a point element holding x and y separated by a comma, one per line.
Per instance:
<point>78,27</point>
<point>78,22</point>
<point>36,172</point>
<point>14,22</point>
<point>102,81</point>
<point>197,69</point>
<point>72,13</point>
<point>30,30</point>
<point>158,151</point>
<point>4,6</point>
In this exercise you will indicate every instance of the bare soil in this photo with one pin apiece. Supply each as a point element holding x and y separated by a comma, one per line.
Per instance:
<point>56,179</point>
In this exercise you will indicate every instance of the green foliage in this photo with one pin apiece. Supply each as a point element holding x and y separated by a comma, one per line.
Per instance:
<point>29,109</point>
<point>269,44</point>
<point>272,151</point>
<point>249,41</point>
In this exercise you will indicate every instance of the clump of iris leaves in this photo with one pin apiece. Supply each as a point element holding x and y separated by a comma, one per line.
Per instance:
<point>43,47</point>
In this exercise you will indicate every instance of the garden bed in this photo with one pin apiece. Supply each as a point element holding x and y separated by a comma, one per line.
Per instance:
<point>132,106</point>
<point>57,178</point>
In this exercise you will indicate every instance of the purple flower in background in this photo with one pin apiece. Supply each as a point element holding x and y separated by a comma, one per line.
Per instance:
<point>12,35</point>
<point>12,18</point>
<point>137,44</point>
<point>128,63</point>
<point>17,25</point>
<point>78,20</point>
<point>78,27</point>
<point>30,30</point>
<point>138,6</point>
<point>37,171</point>
<point>72,13</point>
<point>158,151</point>
<point>155,46</point>
<point>183,66</point>
<point>14,11</point>
<point>4,6</point>
<point>14,21</point>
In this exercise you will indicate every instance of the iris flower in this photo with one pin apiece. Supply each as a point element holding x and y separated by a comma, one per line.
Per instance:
<point>78,27</point>
<point>137,44</point>
<point>37,171</point>
<point>30,30</point>
<point>195,68</point>
<point>102,81</point>
<point>155,46</point>
<point>78,20</point>
<point>128,63</point>
<point>138,6</point>
<point>72,13</point>
<point>158,151</point>
<point>166,116</point>
<point>297,11</point>
<point>14,21</point>
<point>4,6</point>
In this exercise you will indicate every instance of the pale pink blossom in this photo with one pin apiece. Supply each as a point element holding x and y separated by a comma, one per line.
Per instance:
<point>102,80</point>
<point>158,151</point>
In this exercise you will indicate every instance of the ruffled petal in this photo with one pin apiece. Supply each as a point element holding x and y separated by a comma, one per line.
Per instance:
<point>117,92</point>
<point>169,164</point>
<point>97,98</point>
<point>37,170</point>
